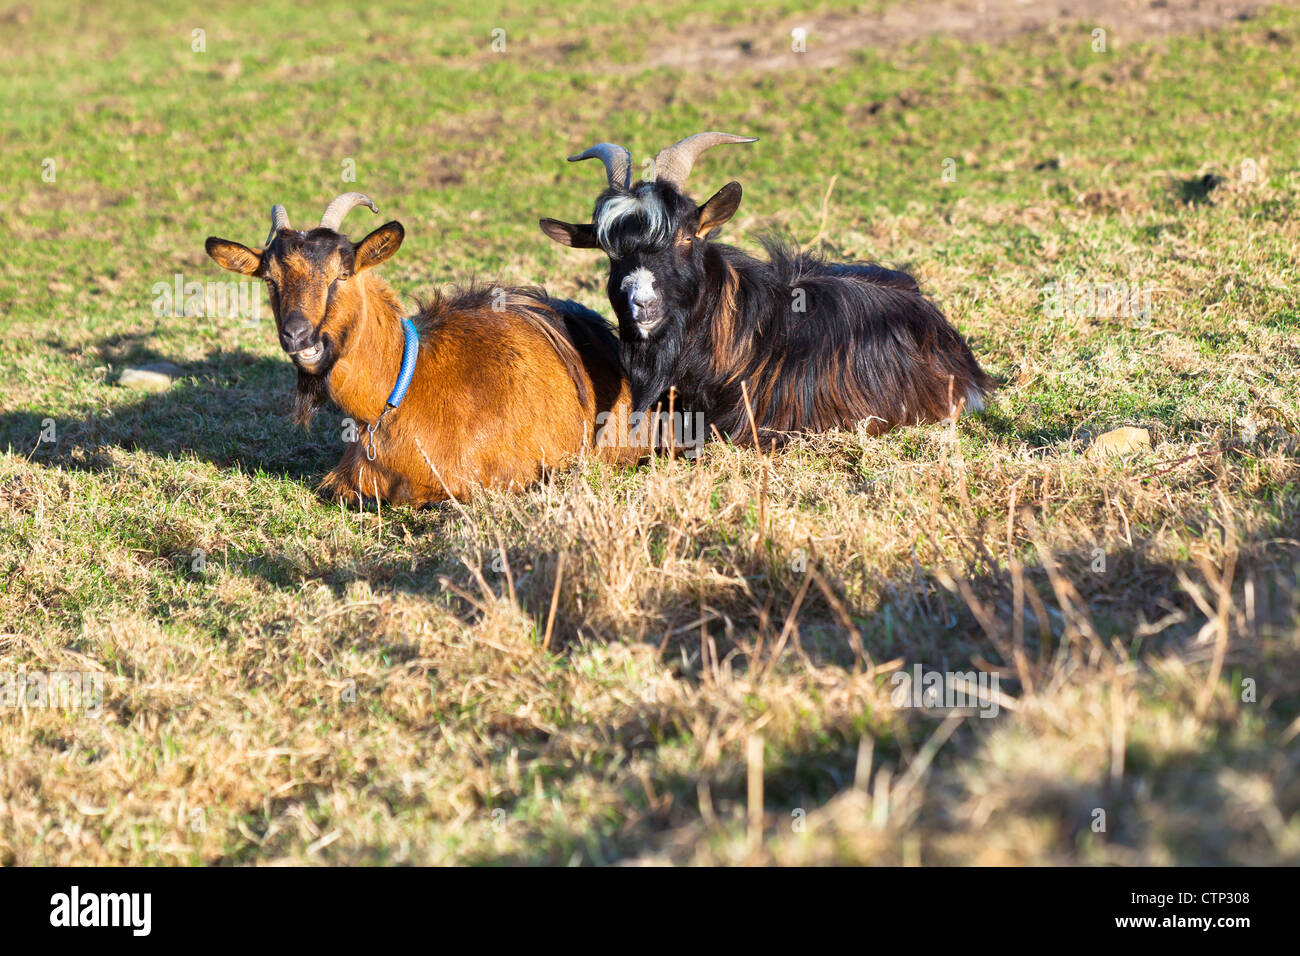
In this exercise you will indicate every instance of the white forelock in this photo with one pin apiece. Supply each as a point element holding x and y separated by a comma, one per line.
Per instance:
<point>620,207</point>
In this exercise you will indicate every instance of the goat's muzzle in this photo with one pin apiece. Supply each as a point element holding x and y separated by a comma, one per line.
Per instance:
<point>643,301</point>
<point>299,339</point>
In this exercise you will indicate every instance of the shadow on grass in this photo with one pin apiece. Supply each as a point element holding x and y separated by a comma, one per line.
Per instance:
<point>1197,190</point>
<point>229,408</point>
<point>1173,803</point>
<point>1014,428</point>
<point>846,619</point>
<point>1179,807</point>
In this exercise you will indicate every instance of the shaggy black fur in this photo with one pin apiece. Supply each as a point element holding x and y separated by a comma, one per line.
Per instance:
<point>816,344</point>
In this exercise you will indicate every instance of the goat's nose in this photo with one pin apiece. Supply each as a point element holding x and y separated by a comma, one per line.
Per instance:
<point>295,332</point>
<point>639,285</point>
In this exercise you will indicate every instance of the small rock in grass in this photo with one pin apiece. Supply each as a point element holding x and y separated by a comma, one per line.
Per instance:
<point>156,377</point>
<point>1121,441</point>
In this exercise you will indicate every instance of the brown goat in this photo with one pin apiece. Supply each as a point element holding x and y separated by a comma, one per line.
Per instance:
<point>507,383</point>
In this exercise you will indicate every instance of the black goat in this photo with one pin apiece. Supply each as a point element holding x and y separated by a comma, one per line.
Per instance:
<point>816,345</point>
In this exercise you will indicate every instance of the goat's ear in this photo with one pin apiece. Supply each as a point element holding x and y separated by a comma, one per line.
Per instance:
<point>577,235</point>
<point>379,245</point>
<point>721,206</point>
<point>233,256</point>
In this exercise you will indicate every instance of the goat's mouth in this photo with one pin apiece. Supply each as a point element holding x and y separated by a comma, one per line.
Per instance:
<point>309,356</point>
<point>646,321</point>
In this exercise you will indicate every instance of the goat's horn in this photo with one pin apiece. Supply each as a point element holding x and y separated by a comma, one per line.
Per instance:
<point>279,220</point>
<point>617,160</point>
<point>335,211</point>
<point>673,165</point>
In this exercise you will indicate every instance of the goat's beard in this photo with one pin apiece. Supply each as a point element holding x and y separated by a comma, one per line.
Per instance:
<point>312,393</point>
<point>651,361</point>
<point>670,323</point>
<point>313,389</point>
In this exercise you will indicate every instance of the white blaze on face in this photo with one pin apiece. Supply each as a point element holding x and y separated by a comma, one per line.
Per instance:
<point>639,285</point>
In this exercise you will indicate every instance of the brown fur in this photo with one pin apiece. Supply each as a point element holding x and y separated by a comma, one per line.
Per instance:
<point>497,398</point>
<point>507,385</point>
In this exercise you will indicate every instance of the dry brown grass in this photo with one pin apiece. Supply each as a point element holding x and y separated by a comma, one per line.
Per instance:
<point>385,708</point>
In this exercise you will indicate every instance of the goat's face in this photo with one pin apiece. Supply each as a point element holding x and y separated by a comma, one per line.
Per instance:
<point>654,237</point>
<point>311,278</point>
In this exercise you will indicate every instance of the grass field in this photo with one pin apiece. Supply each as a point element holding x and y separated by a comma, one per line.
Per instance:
<point>285,680</point>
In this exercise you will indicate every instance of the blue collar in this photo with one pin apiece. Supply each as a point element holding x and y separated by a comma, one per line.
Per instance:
<point>410,352</point>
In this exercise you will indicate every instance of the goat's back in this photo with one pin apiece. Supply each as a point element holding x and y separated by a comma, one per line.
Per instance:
<point>823,345</point>
<point>508,385</point>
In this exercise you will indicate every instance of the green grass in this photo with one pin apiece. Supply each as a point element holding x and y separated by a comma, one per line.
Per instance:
<point>329,687</point>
